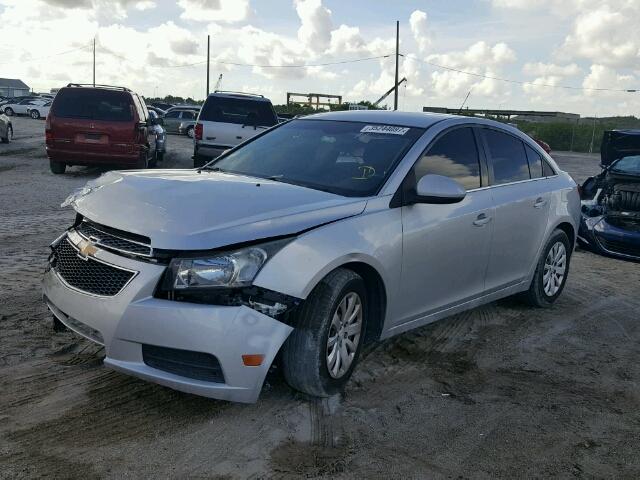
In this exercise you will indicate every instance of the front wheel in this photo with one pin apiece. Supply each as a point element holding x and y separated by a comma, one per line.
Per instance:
<point>9,136</point>
<point>35,114</point>
<point>319,356</point>
<point>551,272</point>
<point>8,111</point>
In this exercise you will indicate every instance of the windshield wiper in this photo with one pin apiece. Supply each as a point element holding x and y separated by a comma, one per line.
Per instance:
<point>211,168</point>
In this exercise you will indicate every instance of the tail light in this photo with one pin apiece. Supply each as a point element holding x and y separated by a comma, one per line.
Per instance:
<point>198,132</point>
<point>48,134</point>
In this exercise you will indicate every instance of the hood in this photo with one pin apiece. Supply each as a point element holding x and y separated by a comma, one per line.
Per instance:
<point>617,144</point>
<point>187,210</point>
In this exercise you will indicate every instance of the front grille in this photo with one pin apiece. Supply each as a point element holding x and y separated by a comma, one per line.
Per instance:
<point>616,246</point>
<point>112,239</point>
<point>195,365</point>
<point>88,275</point>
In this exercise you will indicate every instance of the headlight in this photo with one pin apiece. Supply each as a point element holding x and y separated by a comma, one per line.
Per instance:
<point>223,270</point>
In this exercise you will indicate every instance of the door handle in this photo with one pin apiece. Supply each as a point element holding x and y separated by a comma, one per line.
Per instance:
<point>540,202</point>
<point>481,220</point>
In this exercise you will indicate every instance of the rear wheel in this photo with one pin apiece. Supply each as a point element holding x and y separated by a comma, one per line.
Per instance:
<point>190,132</point>
<point>35,114</point>
<point>319,356</point>
<point>8,111</point>
<point>57,167</point>
<point>9,136</point>
<point>551,272</point>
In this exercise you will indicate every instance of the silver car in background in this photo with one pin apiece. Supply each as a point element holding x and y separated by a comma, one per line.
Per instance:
<point>309,240</point>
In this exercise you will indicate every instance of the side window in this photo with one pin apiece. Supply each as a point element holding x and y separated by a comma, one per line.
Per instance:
<point>138,104</point>
<point>547,171</point>
<point>535,162</point>
<point>188,115</point>
<point>172,114</point>
<point>507,157</point>
<point>453,155</point>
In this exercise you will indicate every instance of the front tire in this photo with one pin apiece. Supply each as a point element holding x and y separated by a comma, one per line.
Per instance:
<point>319,356</point>
<point>8,111</point>
<point>551,272</point>
<point>35,114</point>
<point>9,136</point>
<point>57,168</point>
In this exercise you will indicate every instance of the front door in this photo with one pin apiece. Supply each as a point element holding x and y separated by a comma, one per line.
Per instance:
<point>446,247</point>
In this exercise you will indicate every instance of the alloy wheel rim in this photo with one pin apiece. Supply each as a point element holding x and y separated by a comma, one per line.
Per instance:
<point>344,335</point>
<point>555,266</point>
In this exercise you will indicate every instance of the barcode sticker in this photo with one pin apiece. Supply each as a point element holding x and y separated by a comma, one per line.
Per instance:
<point>390,129</point>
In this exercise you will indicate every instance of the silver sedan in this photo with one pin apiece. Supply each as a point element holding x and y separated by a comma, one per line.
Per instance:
<point>310,240</point>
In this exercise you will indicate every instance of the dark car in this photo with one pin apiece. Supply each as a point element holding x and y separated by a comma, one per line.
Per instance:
<point>101,125</point>
<point>611,200</point>
<point>162,105</point>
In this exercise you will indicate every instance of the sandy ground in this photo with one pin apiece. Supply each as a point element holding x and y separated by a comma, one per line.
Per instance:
<point>501,391</point>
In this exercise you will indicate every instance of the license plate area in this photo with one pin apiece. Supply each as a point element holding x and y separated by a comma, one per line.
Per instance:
<point>97,138</point>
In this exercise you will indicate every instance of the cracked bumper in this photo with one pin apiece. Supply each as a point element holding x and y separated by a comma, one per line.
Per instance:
<point>132,318</point>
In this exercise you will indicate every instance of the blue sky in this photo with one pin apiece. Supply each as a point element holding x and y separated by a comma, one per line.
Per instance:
<point>143,44</point>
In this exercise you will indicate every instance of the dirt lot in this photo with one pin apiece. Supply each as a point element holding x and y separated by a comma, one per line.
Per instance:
<point>501,391</point>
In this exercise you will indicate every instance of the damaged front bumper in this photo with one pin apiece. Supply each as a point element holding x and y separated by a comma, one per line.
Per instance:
<point>194,348</point>
<point>601,236</point>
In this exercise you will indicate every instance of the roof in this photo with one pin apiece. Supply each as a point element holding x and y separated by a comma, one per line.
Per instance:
<point>242,95</point>
<point>13,83</point>
<point>405,119</point>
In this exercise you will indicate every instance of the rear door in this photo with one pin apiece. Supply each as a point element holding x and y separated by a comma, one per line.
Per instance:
<point>172,121</point>
<point>92,120</point>
<point>522,208</point>
<point>228,121</point>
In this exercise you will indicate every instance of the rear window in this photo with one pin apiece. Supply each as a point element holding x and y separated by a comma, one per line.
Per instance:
<point>239,111</point>
<point>106,105</point>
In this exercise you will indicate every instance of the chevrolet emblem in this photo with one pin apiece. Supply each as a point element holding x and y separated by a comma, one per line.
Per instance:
<point>86,248</point>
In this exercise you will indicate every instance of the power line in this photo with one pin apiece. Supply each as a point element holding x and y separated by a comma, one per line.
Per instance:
<point>48,56</point>
<point>241,64</point>
<point>521,82</point>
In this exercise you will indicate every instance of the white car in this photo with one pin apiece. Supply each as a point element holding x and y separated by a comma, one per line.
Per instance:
<point>39,111</point>
<point>227,119</point>
<point>21,107</point>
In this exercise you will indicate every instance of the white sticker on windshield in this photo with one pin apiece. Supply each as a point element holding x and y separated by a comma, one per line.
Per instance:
<point>390,129</point>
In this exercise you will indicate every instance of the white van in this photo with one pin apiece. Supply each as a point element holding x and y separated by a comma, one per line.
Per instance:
<point>228,119</point>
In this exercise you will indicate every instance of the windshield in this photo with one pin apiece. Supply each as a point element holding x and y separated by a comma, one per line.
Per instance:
<point>346,158</point>
<point>629,165</point>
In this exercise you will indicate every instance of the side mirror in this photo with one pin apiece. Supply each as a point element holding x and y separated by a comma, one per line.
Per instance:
<point>438,189</point>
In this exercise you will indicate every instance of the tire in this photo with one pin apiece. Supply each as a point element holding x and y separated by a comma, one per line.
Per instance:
<point>190,132</point>
<point>306,354</point>
<point>541,293</point>
<point>35,114</point>
<point>8,111</point>
<point>56,167</point>
<point>143,161</point>
<point>9,136</point>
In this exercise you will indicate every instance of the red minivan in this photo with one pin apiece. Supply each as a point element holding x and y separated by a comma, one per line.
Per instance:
<point>99,125</point>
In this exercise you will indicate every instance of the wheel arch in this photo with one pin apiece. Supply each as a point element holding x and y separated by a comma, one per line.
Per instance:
<point>569,229</point>
<point>376,296</point>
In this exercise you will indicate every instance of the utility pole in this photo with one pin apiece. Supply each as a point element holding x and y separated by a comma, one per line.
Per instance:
<point>94,61</point>
<point>208,60</point>
<point>395,94</point>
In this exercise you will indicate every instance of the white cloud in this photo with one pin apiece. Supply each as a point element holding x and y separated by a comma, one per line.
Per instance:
<point>225,11</point>
<point>316,24</point>
<point>540,69</point>
<point>601,76</point>
<point>420,30</point>
<point>145,5</point>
